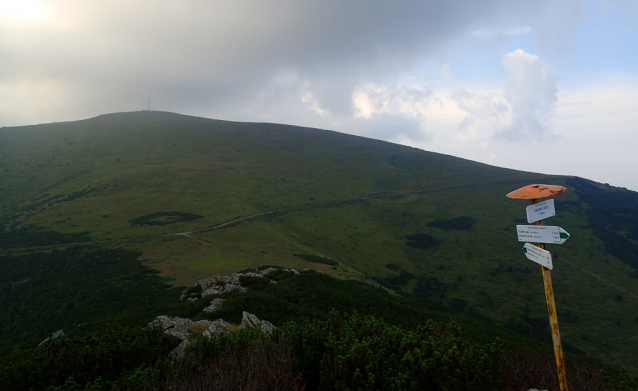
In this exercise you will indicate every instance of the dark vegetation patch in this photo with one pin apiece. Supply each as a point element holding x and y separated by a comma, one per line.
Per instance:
<point>567,206</point>
<point>80,193</point>
<point>429,288</point>
<point>50,200</point>
<point>458,305</point>
<point>374,341</point>
<point>279,274</point>
<point>458,223</point>
<point>317,259</point>
<point>40,203</point>
<point>393,266</point>
<point>47,291</point>
<point>71,363</point>
<point>422,241</point>
<point>32,236</point>
<point>313,295</point>
<point>613,215</point>
<point>165,218</point>
<point>254,282</point>
<point>395,282</point>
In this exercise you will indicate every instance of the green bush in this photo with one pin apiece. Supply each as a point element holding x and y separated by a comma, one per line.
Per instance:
<point>355,352</point>
<point>77,361</point>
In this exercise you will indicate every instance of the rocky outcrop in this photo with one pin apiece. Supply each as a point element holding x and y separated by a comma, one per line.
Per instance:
<point>182,327</point>
<point>214,305</point>
<point>216,285</point>
<point>187,330</point>
<point>57,334</point>
<point>250,320</point>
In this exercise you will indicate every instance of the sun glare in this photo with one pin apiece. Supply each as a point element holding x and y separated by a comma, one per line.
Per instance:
<point>23,11</point>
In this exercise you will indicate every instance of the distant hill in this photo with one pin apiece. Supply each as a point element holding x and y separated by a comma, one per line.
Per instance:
<point>190,197</point>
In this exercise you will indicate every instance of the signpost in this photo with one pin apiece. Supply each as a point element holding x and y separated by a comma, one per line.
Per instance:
<point>542,234</point>
<point>538,255</point>
<point>540,211</point>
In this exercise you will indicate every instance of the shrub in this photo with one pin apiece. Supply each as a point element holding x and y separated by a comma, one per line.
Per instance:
<point>81,360</point>
<point>357,352</point>
<point>316,259</point>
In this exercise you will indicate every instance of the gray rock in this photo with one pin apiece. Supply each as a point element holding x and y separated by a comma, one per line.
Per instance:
<point>179,350</point>
<point>216,285</point>
<point>218,327</point>
<point>183,328</point>
<point>191,299</point>
<point>174,326</point>
<point>214,305</point>
<point>57,334</point>
<point>250,320</point>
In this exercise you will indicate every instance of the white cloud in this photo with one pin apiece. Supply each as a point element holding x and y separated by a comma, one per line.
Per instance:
<point>531,93</point>
<point>422,73</point>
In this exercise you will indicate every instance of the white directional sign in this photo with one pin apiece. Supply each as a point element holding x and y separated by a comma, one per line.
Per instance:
<point>538,255</point>
<point>541,234</point>
<point>540,211</point>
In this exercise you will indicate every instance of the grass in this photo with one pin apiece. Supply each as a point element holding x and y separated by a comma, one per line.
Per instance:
<point>340,197</point>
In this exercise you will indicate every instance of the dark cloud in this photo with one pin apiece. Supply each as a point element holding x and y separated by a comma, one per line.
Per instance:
<point>197,53</point>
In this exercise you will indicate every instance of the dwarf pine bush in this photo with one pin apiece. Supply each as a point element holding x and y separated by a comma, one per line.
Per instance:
<point>355,352</point>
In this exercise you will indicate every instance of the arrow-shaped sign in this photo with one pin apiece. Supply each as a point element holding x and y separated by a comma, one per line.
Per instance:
<point>541,234</point>
<point>538,255</point>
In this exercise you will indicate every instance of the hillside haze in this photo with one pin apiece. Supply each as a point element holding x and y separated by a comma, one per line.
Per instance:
<point>197,197</point>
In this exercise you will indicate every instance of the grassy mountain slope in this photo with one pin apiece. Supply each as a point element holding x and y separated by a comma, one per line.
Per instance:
<point>424,224</point>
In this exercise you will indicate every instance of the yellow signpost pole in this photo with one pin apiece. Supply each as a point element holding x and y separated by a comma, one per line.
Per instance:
<point>553,319</point>
<point>534,192</point>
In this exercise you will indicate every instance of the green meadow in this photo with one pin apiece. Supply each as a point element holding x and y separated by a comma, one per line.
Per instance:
<point>194,197</point>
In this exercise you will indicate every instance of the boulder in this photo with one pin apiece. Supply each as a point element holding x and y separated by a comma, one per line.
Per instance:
<point>174,326</point>
<point>57,334</point>
<point>250,320</point>
<point>218,327</point>
<point>214,305</point>
<point>183,328</point>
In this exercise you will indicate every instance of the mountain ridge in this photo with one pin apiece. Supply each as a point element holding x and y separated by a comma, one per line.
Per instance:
<point>352,200</point>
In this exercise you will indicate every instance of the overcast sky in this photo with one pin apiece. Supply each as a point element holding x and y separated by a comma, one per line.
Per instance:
<point>544,86</point>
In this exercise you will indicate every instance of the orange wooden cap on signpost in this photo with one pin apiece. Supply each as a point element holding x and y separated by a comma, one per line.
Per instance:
<point>531,192</point>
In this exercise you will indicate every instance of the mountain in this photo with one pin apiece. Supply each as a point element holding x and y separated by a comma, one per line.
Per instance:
<point>191,197</point>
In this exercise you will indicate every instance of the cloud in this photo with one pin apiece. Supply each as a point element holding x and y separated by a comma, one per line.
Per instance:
<point>219,57</point>
<point>530,92</point>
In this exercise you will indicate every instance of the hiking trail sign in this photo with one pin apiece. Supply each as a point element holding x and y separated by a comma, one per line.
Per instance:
<point>541,234</point>
<point>538,255</point>
<point>540,211</point>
